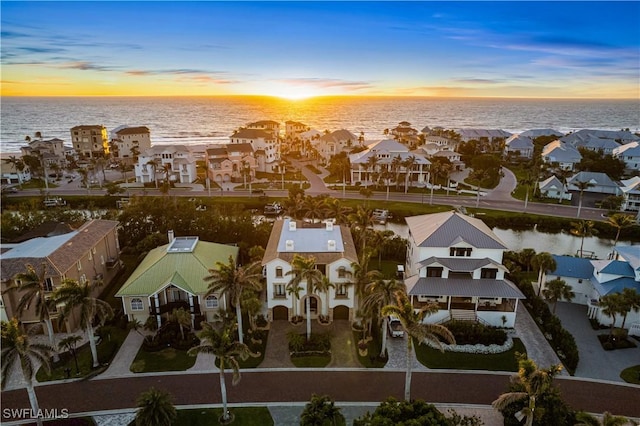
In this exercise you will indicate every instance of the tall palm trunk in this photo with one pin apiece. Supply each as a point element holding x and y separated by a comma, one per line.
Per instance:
<point>223,391</point>
<point>308,302</point>
<point>407,377</point>
<point>92,344</point>
<point>52,339</point>
<point>33,400</point>
<point>383,350</point>
<point>239,318</point>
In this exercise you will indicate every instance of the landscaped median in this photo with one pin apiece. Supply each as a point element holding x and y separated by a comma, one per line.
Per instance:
<point>314,352</point>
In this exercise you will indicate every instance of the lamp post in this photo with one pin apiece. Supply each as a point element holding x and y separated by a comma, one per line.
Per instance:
<point>282,171</point>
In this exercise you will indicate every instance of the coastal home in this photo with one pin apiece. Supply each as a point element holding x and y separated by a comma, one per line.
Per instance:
<point>592,143</point>
<point>630,189</point>
<point>335,142</point>
<point>456,261</point>
<point>536,133</point>
<point>173,162</point>
<point>562,154</point>
<point>552,187</point>
<point>388,156</point>
<point>293,128</point>
<point>620,136</point>
<point>630,154</point>
<point>11,174</point>
<point>592,279</point>
<point>128,140</point>
<point>231,162</point>
<point>600,183</point>
<point>490,135</point>
<point>268,126</point>
<point>264,143</point>
<point>89,253</point>
<point>404,133</point>
<point>52,151</point>
<point>519,146</point>
<point>90,141</point>
<point>171,277</point>
<point>334,252</point>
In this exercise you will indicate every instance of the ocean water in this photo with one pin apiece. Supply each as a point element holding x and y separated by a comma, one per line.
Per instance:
<point>205,120</point>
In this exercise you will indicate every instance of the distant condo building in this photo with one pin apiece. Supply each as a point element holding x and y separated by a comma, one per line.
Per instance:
<point>90,141</point>
<point>130,141</point>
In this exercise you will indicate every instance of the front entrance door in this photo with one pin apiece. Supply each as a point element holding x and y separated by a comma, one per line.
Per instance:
<point>313,305</point>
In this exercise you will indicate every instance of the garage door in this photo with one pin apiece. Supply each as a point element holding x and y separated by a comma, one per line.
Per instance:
<point>341,313</point>
<point>280,313</point>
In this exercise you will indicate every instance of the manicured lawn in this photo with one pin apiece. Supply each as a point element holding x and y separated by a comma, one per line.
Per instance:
<point>245,416</point>
<point>506,361</point>
<point>388,268</point>
<point>312,361</point>
<point>168,359</point>
<point>631,374</point>
<point>373,350</point>
<point>106,351</point>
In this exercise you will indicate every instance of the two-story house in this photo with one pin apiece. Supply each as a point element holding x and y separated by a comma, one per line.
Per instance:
<point>294,128</point>
<point>630,154</point>
<point>231,162</point>
<point>264,143</point>
<point>456,261</point>
<point>90,141</point>
<point>89,253</point>
<point>334,252</point>
<point>129,140</point>
<point>335,142</point>
<point>562,154</point>
<point>518,145</point>
<point>173,162</point>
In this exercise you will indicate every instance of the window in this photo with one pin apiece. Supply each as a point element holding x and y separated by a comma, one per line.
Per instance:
<point>341,290</point>
<point>279,290</point>
<point>211,302</point>
<point>136,304</point>
<point>48,284</point>
<point>342,272</point>
<point>460,251</point>
<point>434,272</point>
<point>488,273</point>
<point>279,272</point>
<point>322,268</point>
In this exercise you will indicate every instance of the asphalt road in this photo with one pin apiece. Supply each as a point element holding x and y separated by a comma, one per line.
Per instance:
<point>298,385</point>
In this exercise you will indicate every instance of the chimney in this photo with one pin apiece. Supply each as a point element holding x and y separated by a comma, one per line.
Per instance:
<point>288,245</point>
<point>329,226</point>
<point>170,235</point>
<point>331,245</point>
<point>292,226</point>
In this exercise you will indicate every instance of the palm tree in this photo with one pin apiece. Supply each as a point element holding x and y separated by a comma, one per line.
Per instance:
<point>582,229</point>
<point>362,220</point>
<point>33,289</point>
<point>231,279</point>
<point>323,287</point>
<point>412,321</point>
<point>372,164</point>
<point>335,209</point>
<point>630,301</point>
<point>396,164</point>
<point>320,411</point>
<point>72,295</point>
<point>620,221</point>
<point>362,276</point>
<point>581,187</point>
<point>314,208</point>
<point>381,293</point>
<point>154,165</point>
<point>303,269</point>
<point>227,351</point>
<point>19,349</point>
<point>69,343</point>
<point>408,164</point>
<point>543,262</point>
<point>534,382</point>
<point>294,290</point>
<point>608,419</point>
<point>563,175</point>
<point>527,181</point>
<point>155,408</point>
<point>182,318</point>
<point>557,289</point>
<point>612,304</point>
<point>18,165</point>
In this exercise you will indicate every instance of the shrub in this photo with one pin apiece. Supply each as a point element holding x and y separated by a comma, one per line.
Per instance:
<point>469,333</point>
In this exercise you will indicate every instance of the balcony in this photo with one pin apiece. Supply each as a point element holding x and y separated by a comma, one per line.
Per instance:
<point>169,307</point>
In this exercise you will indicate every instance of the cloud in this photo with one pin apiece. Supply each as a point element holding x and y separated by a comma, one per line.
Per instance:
<point>86,66</point>
<point>7,34</point>
<point>41,49</point>
<point>327,83</point>
<point>179,71</point>
<point>478,81</point>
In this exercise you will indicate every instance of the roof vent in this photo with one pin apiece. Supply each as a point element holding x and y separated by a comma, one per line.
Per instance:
<point>329,225</point>
<point>288,246</point>
<point>331,245</point>
<point>292,226</point>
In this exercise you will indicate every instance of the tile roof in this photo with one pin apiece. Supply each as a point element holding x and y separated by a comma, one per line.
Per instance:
<point>252,134</point>
<point>183,269</point>
<point>462,287</point>
<point>573,267</point>
<point>133,130</point>
<point>448,228</point>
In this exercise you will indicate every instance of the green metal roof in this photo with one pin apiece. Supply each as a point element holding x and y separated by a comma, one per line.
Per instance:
<point>185,270</point>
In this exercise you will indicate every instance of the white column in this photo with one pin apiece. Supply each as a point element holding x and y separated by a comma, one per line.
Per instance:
<point>192,310</point>
<point>157,303</point>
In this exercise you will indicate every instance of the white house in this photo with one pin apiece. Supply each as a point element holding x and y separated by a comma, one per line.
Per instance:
<point>334,252</point>
<point>127,139</point>
<point>562,154</point>
<point>174,162</point>
<point>600,183</point>
<point>335,142</point>
<point>631,192</point>
<point>264,142</point>
<point>553,188</point>
<point>456,261</point>
<point>467,135</point>
<point>519,145</point>
<point>630,154</point>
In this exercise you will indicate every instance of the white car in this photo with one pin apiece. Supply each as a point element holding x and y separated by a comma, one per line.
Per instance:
<point>395,326</point>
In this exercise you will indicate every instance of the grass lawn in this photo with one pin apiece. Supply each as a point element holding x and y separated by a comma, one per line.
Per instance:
<point>388,268</point>
<point>312,361</point>
<point>631,374</point>
<point>106,351</point>
<point>259,349</point>
<point>373,350</point>
<point>38,183</point>
<point>506,361</point>
<point>246,416</point>
<point>168,359</point>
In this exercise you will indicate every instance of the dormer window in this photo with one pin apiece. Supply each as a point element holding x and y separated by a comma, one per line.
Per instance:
<point>490,273</point>
<point>460,251</point>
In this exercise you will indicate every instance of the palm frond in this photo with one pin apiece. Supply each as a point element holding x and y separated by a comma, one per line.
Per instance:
<point>507,399</point>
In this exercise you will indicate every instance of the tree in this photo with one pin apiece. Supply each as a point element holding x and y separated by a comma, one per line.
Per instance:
<point>612,304</point>
<point>155,408</point>
<point>581,187</point>
<point>33,289</point>
<point>19,350</point>
<point>16,164</point>
<point>320,411</point>
<point>630,301</point>
<point>334,209</point>
<point>532,383</point>
<point>323,287</point>
<point>303,269</point>
<point>527,181</point>
<point>408,164</point>
<point>381,293</point>
<point>69,343</point>
<point>361,220</point>
<point>371,165</point>
<point>314,208</point>
<point>582,229</point>
<point>182,318</point>
<point>231,279</point>
<point>412,321</point>
<point>608,419</point>
<point>403,413</point>
<point>620,221</point>
<point>227,351</point>
<point>72,295</point>
<point>154,165</point>
<point>557,289</point>
<point>543,262</point>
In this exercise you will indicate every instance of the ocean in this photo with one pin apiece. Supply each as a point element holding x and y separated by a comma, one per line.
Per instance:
<point>208,120</point>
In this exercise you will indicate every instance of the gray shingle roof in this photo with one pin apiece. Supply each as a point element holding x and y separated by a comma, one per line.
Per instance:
<point>462,287</point>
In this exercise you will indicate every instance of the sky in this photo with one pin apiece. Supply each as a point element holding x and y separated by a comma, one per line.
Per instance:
<point>302,49</point>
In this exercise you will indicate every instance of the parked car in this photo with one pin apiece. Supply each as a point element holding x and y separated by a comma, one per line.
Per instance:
<point>395,326</point>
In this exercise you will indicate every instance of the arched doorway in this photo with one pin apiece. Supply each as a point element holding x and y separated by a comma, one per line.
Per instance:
<point>280,313</point>
<point>314,305</point>
<point>341,312</point>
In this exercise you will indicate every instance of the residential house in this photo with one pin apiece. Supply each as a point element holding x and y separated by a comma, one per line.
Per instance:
<point>552,187</point>
<point>389,156</point>
<point>600,183</point>
<point>404,133</point>
<point>630,154</point>
<point>519,146</point>
<point>592,143</point>
<point>90,141</point>
<point>128,140</point>
<point>456,261</point>
<point>490,135</point>
<point>51,151</point>
<point>294,128</point>
<point>562,154</point>
<point>172,277</point>
<point>577,272</point>
<point>536,133</point>
<point>334,252</point>
<point>620,136</point>
<point>231,162</point>
<point>335,142</point>
<point>10,175</point>
<point>264,143</point>
<point>173,162</point>
<point>630,189</point>
<point>268,126</point>
<point>89,253</point>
